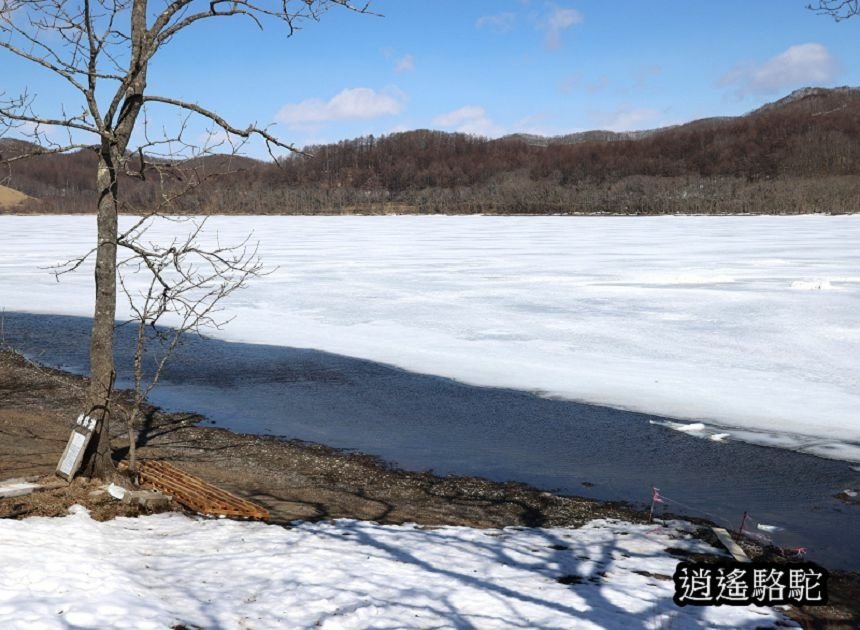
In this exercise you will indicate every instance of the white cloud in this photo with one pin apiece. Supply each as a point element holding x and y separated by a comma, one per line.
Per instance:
<point>801,65</point>
<point>600,85</point>
<point>350,104</point>
<point>570,82</point>
<point>643,74</point>
<point>469,112</point>
<point>627,118</point>
<point>399,128</point>
<point>470,119</point>
<point>405,64</point>
<point>538,124</point>
<point>556,21</point>
<point>501,23</point>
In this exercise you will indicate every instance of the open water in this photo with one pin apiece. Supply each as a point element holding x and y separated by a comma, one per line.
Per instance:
<point>422,422</point>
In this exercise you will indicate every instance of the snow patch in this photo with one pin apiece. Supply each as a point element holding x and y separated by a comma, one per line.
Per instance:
<point>812,285</point>
<point>117,492</point>
<point>16,488</point>
<point>695,429</point>
<point>696,426</point>
<point>688,278</point>
<point>164,570</point>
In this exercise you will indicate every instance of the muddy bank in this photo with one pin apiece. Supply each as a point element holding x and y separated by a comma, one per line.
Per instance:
<point>293,479</point>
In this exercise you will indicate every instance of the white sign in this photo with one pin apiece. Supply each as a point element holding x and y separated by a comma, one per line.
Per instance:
<point>77,442</point>
<point>77,445</point>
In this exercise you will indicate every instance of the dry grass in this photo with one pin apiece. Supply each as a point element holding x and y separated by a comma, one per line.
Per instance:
<point>9,198</point>
<point>56,497</point>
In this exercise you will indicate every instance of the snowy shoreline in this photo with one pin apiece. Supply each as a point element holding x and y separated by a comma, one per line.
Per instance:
<point>159,571</point>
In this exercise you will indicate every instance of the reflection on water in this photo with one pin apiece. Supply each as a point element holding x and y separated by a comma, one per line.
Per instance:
<point>426,422</point>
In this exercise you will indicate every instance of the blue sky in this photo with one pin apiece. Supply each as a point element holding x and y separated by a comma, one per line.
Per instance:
<point>492,67</point>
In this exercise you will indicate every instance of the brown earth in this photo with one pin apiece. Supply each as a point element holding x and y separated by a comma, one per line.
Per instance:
<point>292,479</point>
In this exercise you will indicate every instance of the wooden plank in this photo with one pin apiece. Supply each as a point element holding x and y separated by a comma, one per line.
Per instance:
<point>734,549</point>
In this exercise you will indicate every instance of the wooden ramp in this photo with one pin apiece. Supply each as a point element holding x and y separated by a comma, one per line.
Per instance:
<point>196,494</point>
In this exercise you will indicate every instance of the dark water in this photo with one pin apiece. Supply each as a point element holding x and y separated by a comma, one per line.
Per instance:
<point>425,422</point>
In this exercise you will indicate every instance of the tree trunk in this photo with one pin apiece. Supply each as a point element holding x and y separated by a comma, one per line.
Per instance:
<point>99,462</point>
<point>132,439</point>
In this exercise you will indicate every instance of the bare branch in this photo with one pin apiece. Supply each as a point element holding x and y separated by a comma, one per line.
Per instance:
<point>249,131</point>
<point>838,9</point>
<point>20,109</point>
<point>38,150</point>
<point>186,283</point>
<point>163,30</point>
<point>70,265</point>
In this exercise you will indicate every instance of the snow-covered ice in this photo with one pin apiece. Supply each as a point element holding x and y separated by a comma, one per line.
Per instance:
<point>746,324</point>
<point>163,570</point>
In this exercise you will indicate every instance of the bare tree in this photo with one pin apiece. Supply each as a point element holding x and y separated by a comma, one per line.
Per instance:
<point>187,279</point>
<point>838,9</point>
<point>103,50</point>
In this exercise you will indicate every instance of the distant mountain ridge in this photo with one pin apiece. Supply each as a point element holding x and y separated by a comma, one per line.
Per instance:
<point>800,153</point>
<point>808,97</point>
<point>594,135</point>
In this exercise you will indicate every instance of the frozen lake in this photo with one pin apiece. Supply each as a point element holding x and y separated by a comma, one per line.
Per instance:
<point>738,325</point>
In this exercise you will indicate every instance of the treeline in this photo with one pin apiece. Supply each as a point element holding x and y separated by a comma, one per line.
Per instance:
<point>800,154</point>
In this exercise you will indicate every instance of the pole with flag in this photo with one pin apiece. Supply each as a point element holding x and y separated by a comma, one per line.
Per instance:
<point>655,498</point>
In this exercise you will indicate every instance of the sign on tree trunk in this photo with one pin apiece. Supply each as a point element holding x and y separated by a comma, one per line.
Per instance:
<point>81,435</point>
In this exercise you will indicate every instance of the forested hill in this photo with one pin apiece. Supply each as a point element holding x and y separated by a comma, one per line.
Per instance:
<point>798,154</point>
